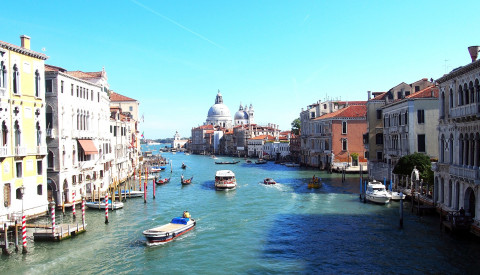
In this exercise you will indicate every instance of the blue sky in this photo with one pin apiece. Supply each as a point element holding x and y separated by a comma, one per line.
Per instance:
<point>280,56</point>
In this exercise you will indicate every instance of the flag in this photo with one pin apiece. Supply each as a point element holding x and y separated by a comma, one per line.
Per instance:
<point>143,135</point>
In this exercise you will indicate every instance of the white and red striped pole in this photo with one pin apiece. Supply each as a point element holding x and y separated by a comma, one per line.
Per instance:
<point>83,212</point>
<point>24,234</point>
<point>73,206</point>
<point>106,208</point>
<point>53,218</point>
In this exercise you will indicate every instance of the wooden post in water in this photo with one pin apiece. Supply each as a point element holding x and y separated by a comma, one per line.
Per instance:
<point>365,192</point>
<point>5,237</point>
<point>98,197</point>
<point>153,183</point>
<point>145,191</point>
<point>16,236</point>
<point>401,210</point>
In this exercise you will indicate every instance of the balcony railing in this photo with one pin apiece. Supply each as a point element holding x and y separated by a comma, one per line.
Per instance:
<point>20,151</point>
<point>3,151</point>
<point>463,111</point>
<point>465,172</point>
<point>41,150</point>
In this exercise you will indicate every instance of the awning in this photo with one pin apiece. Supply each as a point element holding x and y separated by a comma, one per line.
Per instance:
<point>88,146</point>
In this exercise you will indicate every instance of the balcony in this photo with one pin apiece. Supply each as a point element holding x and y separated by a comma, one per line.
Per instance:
<point>464,111</point>
<point>20,151</point>
<point>3,151</point>
<point>51,133</point>
<point>471,173</point>
<point>41,150</point>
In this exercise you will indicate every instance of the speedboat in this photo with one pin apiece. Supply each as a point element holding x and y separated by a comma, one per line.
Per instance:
<point>156,169</point>
<point>111,206</point>
<point>167,232</point>
<point>130,194</point>
<point>377,193</point>
<point>269,181</point>
<point>396,196</point>
<point>225,180</point>
<point>260,161</point>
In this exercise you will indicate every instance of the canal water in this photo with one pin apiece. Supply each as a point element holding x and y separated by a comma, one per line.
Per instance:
<point>256,229</point>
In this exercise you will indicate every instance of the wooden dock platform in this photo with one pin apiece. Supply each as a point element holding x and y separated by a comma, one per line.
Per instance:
<point>62,231</point>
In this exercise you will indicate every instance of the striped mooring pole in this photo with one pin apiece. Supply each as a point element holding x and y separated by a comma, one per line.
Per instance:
<point>24,234</point>
<point>83,213</point>
<point>73,206</point>
<point>52,208</point>
<point>106,208</point>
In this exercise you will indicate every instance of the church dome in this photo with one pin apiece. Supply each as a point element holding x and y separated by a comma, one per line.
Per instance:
<point>219,110</point>
<point>241,115</point>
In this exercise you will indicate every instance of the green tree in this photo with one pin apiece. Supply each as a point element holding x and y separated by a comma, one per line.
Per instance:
<point>296,125</point>
<point>406,164</point>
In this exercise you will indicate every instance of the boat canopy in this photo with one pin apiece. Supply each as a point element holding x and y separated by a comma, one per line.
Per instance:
<point>179,220</point>
<point>224,173</point>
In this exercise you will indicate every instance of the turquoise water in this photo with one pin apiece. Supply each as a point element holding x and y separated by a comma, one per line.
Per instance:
<point>255,229</point>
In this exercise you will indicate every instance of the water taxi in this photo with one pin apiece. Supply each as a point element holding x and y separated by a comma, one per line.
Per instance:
<point>167,232</point>
<point>225,180</point>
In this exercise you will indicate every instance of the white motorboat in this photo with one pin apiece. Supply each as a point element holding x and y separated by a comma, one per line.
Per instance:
<point>225,180</point>
<point>396,196</point>
<point>130,193</point>
<point>167,232</point>
<point>112,206</point>
<point>377,193</point>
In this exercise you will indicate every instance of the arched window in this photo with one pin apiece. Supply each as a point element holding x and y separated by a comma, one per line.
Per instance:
<point>460,150</point>
<point>465,91</point>
<point>3,75</point>
<point>15,80</point>
<point>37,83</point>
<point>49,117</point>
<point>450,148</point>
<point>450,193</point>
<point>472,92</point>
<point>442,149</point>
<point>4,134</point>
<point>74,155</point>
<point>18,134</point>
<point>39,134</point>
<point>460,96</point>
<point>451,98</point>
<point>442,105</point>
<point>50,159</point>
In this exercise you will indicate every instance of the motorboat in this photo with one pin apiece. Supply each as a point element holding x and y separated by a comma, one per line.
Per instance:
<point>269,181</point>
<point>291,164</point>
<point>248,161</point>
<point>315,183</point>
<point>111,206</point>
<point>156,169</point>
<point>260,161</point>
<point>377,193</point>
<point>396,196</point>
<point>227,162</point>
<point>225,180</point>
<point>186,181</point>
<point>213,157</point>
<point>167,232</point>
<point>130,194</point>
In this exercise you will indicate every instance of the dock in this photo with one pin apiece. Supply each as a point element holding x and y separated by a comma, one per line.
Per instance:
<point>61,232</point>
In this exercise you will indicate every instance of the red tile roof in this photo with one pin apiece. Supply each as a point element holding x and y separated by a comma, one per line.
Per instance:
<point>267,137</point>
<point>352,111</point>
<point>425,93</point>
<point>84,75</point>
<point>118,97</point>
<point>380,96</point>
<point>51,68</point>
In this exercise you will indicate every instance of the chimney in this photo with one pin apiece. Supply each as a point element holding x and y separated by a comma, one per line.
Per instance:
<point>25,41</point>
<point>369,94</point>
<point>473,50</point>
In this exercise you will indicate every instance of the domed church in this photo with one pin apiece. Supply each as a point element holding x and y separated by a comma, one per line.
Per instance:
<point>244,115</point>
<point>219,114</point>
